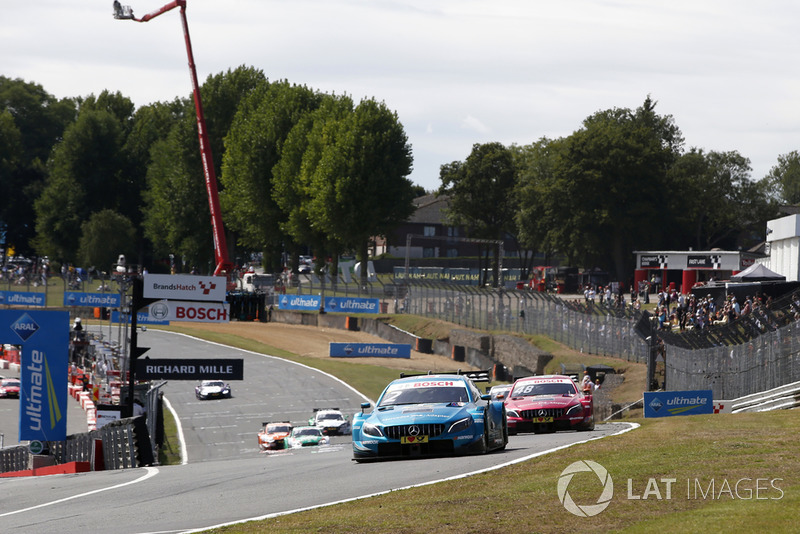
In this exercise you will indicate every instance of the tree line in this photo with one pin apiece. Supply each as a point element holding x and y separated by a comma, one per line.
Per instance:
<point>622,182</point>
<point>296,167</point>
<point>87,178</point>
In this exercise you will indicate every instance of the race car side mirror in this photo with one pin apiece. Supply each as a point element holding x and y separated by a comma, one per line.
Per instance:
<point>365,406</point>
<point>486,397</point>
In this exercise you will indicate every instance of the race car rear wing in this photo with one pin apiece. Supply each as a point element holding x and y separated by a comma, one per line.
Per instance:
<point>483,375</point>
<point>318,409</point>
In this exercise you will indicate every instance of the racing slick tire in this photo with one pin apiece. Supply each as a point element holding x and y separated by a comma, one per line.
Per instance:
<point>505,430</point>
<point>590,427</point>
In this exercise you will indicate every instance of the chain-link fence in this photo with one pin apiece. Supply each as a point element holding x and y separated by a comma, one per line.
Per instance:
<point>595,329</point>
<point>769,358</point>
<point>749,355</point>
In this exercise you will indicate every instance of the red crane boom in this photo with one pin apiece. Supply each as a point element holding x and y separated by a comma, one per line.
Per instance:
<point>223,263</point>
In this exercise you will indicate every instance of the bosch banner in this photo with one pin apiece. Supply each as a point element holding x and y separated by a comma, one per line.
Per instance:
<point>22,298</point>
<point>203,312</point>
<point>91,300</point>
<point>370,350</point>
<point>670,403</point>
<point>44,336</point>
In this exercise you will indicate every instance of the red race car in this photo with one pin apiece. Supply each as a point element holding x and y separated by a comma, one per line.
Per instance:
<point>548,403</point>
<point>273,436</point>
<point>9,387</point>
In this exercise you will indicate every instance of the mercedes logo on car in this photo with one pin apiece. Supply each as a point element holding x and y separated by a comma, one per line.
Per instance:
<point>413,430</point>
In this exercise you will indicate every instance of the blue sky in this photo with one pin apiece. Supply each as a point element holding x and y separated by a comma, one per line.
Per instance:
<point>457,72</point>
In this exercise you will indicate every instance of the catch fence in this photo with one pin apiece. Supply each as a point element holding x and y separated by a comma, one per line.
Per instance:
<point>730,365</point>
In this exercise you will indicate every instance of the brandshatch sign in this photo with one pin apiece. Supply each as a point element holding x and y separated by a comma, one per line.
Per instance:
<point>185,369</point>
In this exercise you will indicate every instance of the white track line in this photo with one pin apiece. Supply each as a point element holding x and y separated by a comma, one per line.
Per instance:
<point>151,471</point>
<point>629,427</point>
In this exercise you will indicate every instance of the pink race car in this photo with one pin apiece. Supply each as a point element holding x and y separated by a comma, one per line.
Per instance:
<point>548,403</point>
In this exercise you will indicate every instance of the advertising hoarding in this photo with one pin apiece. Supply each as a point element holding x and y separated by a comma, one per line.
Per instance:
<point>184,287</point>
<point>44,336</point>
<point>91,300</point>
<point>370,350</point>
<point>672,403</point>
<point>22,298</point>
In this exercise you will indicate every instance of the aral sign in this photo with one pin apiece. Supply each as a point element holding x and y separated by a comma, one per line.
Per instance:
<point>44,336</point>
<point>672,403</point>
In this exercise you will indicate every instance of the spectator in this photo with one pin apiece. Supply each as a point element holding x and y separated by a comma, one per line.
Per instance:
<point>586,383</point>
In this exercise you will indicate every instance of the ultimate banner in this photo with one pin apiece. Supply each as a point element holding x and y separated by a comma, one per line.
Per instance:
<point>44,336</point>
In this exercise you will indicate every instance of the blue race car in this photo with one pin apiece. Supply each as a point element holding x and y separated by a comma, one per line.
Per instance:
<point>430,415</point>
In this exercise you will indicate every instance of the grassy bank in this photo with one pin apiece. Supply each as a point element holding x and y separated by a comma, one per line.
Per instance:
<point>706,456</point>
<point>724,473</point>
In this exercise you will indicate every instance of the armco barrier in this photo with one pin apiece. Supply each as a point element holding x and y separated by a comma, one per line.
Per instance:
<point>124,443</point>
<point>780,398</point>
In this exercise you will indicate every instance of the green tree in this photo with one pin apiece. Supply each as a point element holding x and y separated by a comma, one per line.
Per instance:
<point>360,186</point>
<point>294,188</point>
<point>103,237</point>
<point>85,175</point>
<point>37,122</point>
<point>534,217</point>
<point>718,200</point>
<point>481,195</point>
<point>176,216</point>
<point>254,147</point>
<point>611,185</point>
<point>176,212</point>
<point>784,178</point>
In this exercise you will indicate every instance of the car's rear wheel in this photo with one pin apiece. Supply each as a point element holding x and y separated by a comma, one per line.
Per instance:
<point>505,430</point>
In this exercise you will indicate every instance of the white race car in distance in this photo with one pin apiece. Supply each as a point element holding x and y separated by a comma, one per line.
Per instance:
<point>330,421</point>
<point>212,389</point>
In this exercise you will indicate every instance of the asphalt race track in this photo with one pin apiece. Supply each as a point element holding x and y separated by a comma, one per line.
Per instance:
<point>226,478</point>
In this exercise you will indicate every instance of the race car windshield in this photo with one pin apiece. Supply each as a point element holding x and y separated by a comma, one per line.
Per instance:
<point>279,428</point>
<point>424,395</point>
<point>308,432</point>
<point>214,384</point>
<point>331,417</point>
<point>527,390</point>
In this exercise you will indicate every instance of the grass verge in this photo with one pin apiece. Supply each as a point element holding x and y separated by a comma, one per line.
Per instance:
<point>723,474</point>
<point>727,474</point>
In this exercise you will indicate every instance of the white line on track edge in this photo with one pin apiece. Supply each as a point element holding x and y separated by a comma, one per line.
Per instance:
<point>629,427</point>
<point>151,471</point>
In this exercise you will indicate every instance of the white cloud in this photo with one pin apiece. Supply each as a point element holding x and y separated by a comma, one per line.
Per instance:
<point>457,72</point>
<point>473,124</point>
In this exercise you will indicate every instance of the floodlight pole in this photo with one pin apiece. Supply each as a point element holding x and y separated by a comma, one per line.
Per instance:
<point>223,264</point>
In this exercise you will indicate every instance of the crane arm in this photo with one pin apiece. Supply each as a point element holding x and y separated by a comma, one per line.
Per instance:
<point>223,263</point>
